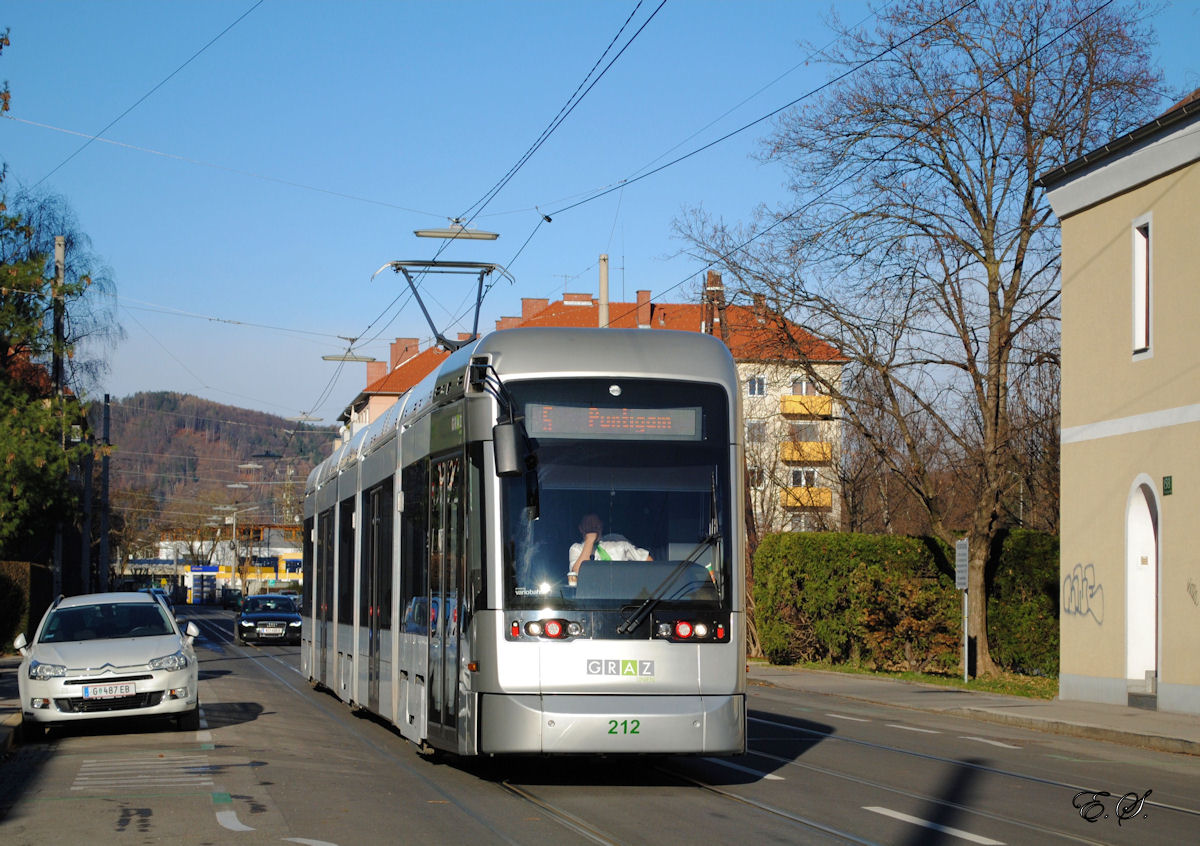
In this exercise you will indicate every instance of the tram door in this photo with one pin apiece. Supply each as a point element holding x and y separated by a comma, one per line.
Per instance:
<point>324,591</point>
<point>375,558</point>
<point>447,562</point>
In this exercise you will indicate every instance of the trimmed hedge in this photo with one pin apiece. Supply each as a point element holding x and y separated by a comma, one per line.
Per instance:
<point>25,590</point>
<point>883,601</point>
<point>1023,603</point>
<point>889,603</point>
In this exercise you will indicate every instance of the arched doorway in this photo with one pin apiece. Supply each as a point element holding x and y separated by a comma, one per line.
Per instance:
<point>1141,590</point>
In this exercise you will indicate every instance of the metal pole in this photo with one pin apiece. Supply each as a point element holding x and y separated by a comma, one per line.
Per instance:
<point>104,563</point>
<point>603,322</point>
<point>56,373</point>
<point>965,638</point>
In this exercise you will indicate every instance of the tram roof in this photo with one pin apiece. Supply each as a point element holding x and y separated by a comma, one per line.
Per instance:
<point>628,352</point>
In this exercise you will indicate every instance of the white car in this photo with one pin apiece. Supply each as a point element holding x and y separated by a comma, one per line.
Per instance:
<point>105,655</point>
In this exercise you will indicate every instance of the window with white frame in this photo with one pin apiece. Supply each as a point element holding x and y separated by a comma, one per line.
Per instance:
<point>756,386</point>
<point>803,386</point>
<point>1141,286</point>
<point>804,477</point>
<point>804,432</point>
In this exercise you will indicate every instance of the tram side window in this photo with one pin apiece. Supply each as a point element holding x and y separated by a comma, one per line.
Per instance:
<point>387,510</point>
<point>376,556</point>
<point>345,600</point>
<point>306,599</point>
<point>325,564</point>
<point>414,548</point>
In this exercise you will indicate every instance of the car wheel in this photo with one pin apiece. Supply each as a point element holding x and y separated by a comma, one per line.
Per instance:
<point>190,720</point>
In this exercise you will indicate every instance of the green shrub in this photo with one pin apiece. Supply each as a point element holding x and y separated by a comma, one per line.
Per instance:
<point>1023,596</point>
<point>889,603</point>
<point>882,601</point>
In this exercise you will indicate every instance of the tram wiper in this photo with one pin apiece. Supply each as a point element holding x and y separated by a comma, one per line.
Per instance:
<point>635,619</point>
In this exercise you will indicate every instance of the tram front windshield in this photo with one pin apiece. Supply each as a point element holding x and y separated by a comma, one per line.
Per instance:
<point>641,465</point>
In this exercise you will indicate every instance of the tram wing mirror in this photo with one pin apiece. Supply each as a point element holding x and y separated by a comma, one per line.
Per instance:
<point>507,446</point>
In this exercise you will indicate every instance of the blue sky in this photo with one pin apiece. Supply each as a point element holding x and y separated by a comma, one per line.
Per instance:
<point>247,201</point>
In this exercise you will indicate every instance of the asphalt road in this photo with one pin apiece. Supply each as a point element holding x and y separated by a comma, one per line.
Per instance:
<point>276,761</point>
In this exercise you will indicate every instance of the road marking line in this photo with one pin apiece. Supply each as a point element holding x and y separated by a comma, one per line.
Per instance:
<point>844,717</point>
<point>945,829</point>
<point>740,768</point>
<point>912,728</point>
<point>228,819</point>
<point>992,742</point>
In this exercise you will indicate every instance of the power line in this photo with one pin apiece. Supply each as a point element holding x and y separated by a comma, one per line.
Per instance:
<point>201,163</point>
<point>143,98</point>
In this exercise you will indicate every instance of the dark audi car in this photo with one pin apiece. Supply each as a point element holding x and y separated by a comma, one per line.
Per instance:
<point>268,618</point>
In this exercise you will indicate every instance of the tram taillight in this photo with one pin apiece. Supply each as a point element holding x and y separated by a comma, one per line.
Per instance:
<point>678,630</point>
<point>554,629</point>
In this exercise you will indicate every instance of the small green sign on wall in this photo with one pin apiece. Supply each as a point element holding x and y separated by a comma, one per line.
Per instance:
<point>1167,485</point>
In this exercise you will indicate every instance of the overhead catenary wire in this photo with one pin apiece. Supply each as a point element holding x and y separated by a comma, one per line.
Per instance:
<point>146,96</point>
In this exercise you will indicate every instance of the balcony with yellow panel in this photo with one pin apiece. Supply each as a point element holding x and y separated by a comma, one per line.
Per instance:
<point>806,405</point>
<point>802,497</point>
<point>806,452</point>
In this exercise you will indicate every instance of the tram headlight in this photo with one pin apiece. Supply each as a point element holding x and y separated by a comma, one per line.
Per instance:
<point>683,629</point>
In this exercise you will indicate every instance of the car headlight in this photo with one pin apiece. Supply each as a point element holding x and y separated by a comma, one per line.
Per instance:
<point>174,661</point>
<point>41,672</point>
<point>246,624</point>
<point>296,623</point>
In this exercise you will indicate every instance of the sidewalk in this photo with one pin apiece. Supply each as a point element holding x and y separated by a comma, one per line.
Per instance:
<point>1161,731</point>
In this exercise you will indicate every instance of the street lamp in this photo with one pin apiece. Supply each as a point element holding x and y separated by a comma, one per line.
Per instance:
<point>457,232</point>
<point>232,519</point>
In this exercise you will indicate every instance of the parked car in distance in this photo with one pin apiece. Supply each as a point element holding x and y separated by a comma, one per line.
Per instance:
<point>162,596</point>
<point>268,618</point>
<point>231,598</point>
<point>108,655</point>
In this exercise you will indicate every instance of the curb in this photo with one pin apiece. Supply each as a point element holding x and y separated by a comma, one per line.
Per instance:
<point>1155,742</point>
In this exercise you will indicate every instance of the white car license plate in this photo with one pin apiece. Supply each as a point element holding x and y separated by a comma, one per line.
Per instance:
<point>271,630</point>
<point>108,691</point>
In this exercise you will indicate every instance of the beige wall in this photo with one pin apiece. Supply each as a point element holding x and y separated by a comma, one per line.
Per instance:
<point>1127,420</point>
<point>1101,380</point>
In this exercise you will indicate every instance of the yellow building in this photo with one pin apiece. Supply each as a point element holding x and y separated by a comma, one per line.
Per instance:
<point>1130,573</point>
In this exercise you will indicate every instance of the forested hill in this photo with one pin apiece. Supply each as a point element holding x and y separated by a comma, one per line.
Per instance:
<point>176,454</point>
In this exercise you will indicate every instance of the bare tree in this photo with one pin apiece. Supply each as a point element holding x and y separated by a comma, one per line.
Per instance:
<point>918,243</point>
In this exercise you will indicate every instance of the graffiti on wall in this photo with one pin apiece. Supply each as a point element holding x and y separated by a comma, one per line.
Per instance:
<point>1082,596</point>
<point>1193,592</point>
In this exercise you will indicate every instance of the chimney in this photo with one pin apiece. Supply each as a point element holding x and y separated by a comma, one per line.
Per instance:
<point>643,309</point>
<point>376,370</point>
<point>531,306</point>
<point>402,350</point>
<point>760,308</point>
<point>603,322</point>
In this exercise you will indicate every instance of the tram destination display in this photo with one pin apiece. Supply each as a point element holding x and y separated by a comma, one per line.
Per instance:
<point>589,421</point>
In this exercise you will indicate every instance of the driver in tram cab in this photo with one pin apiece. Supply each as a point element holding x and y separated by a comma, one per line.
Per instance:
<point>593,547</point>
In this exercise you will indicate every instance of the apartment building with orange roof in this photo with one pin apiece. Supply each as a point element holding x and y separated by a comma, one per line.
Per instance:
<point>407,365</point>
<point>792,433</point>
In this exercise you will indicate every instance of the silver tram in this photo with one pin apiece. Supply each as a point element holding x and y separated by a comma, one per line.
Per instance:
<point>439,540</point>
